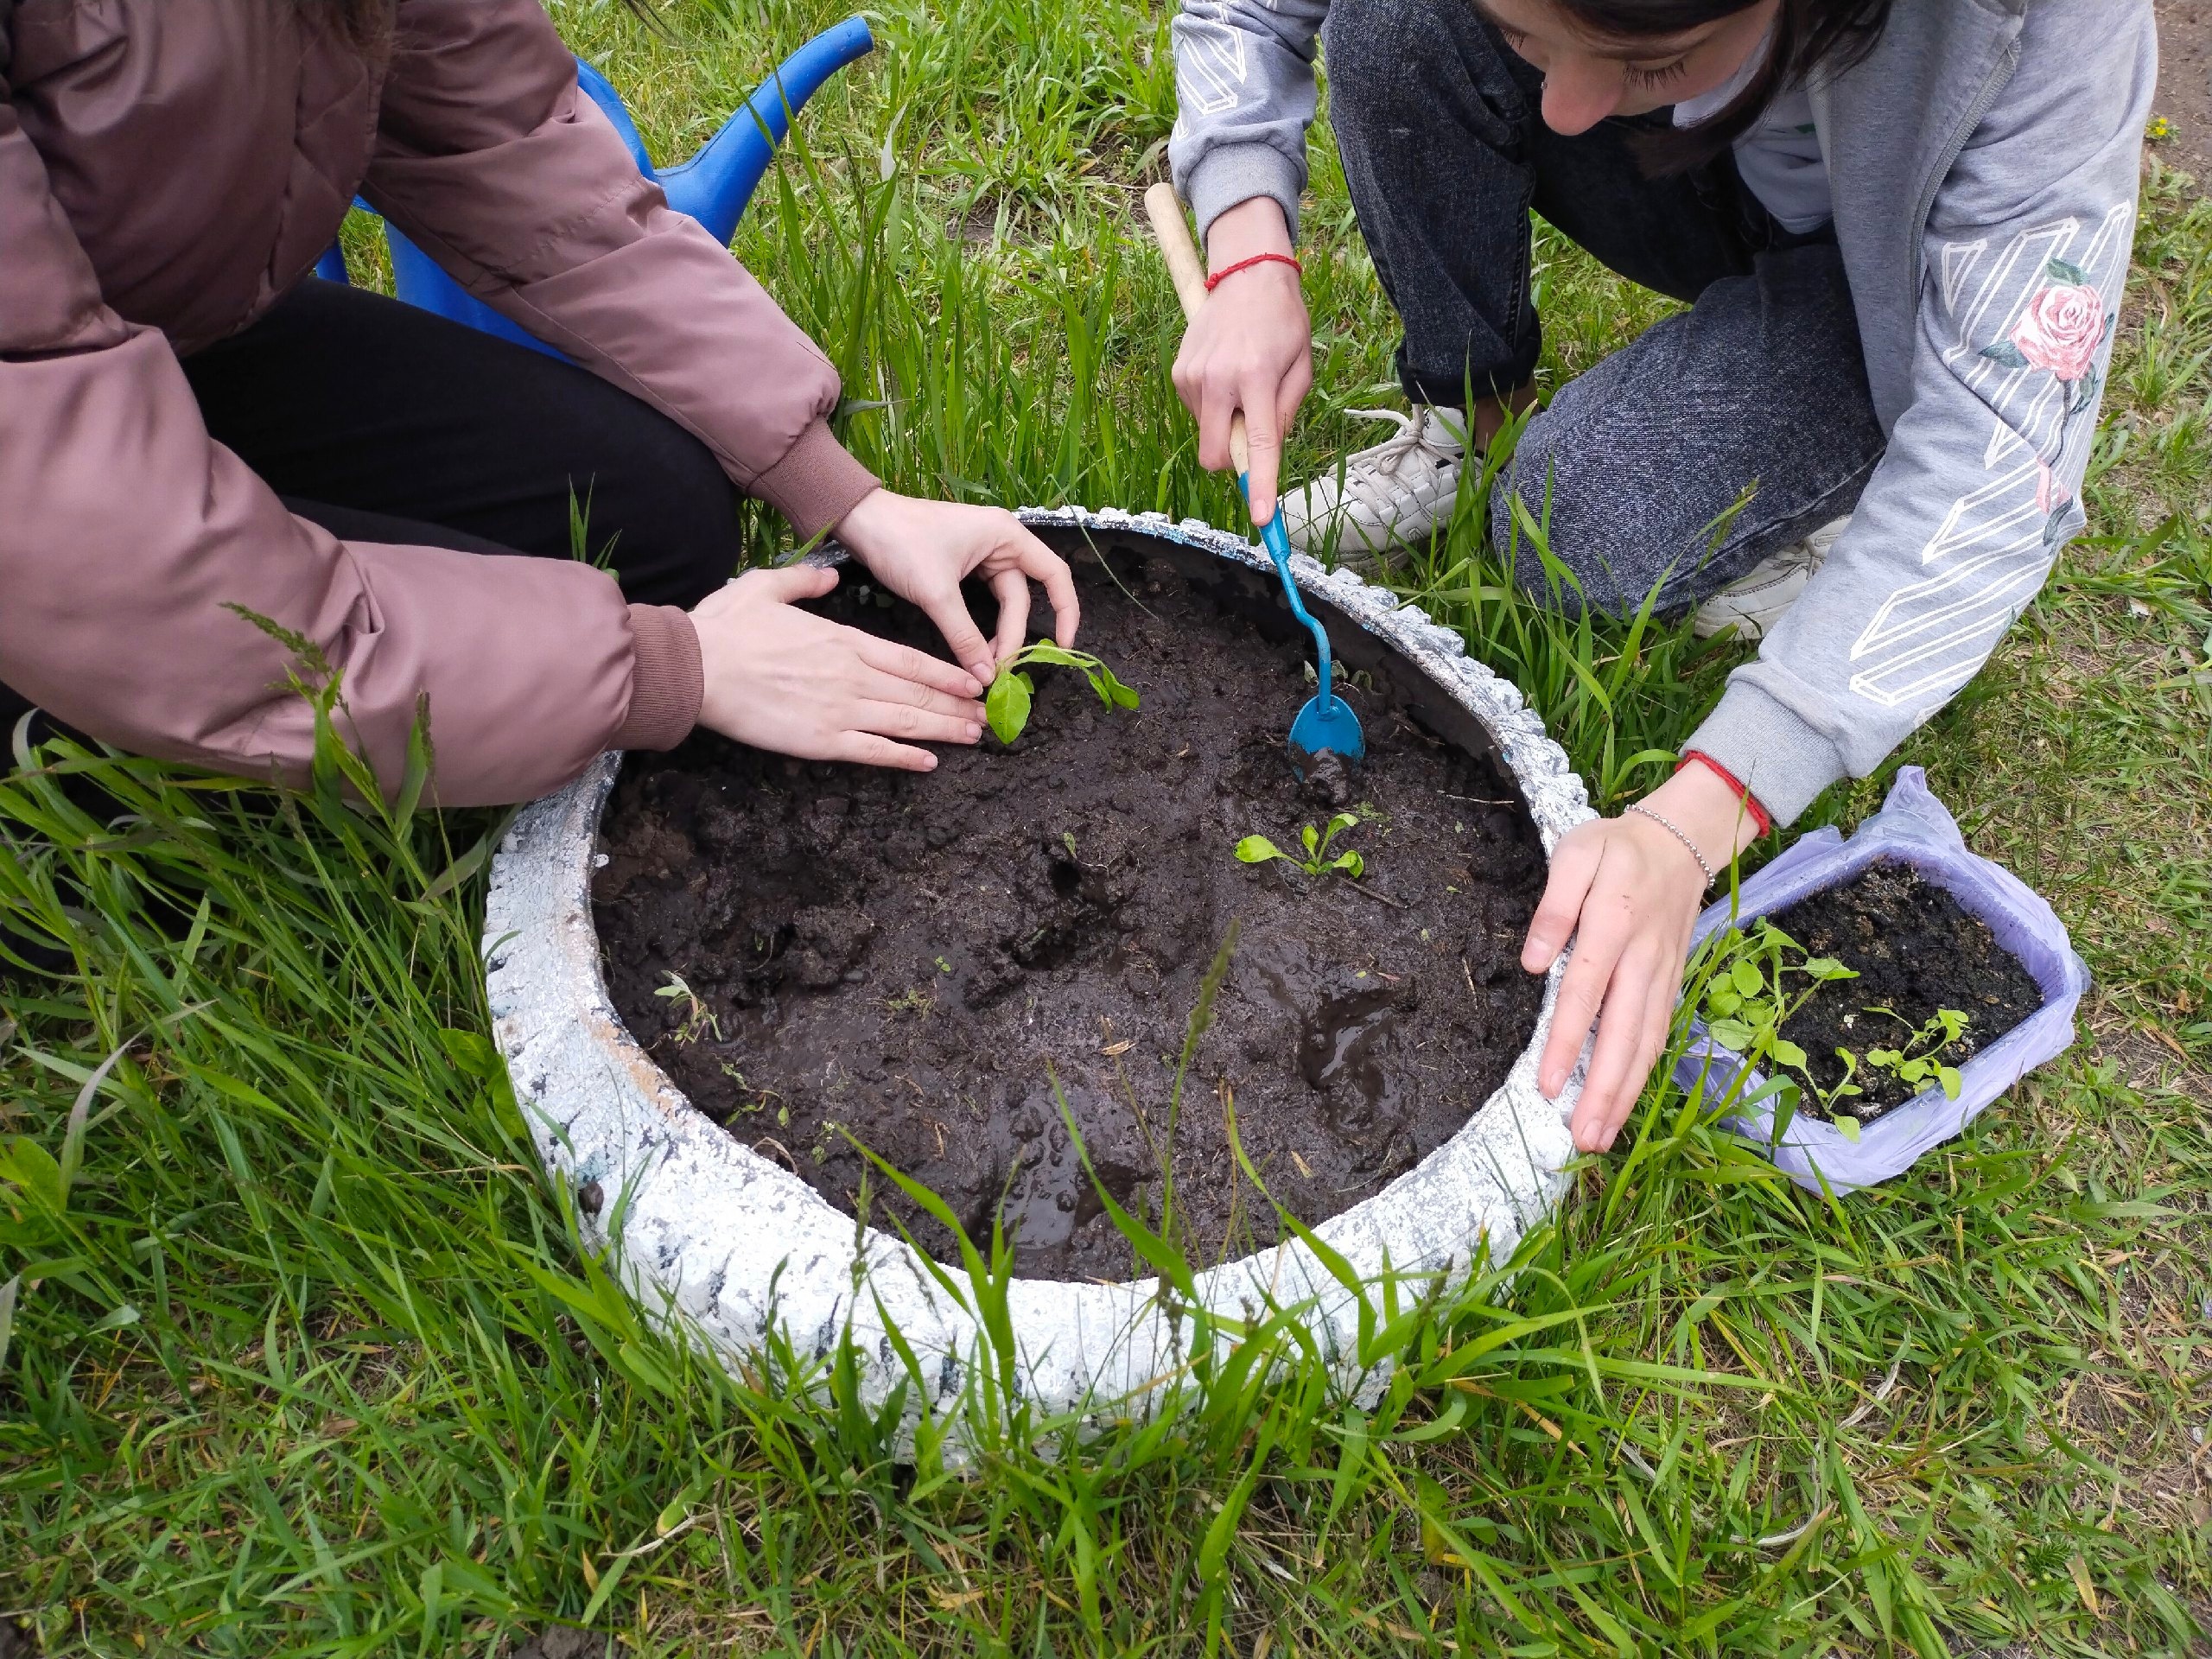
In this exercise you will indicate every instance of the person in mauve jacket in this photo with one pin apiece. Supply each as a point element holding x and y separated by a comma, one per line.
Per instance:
<point>195,432</point>
<point>1900,230</point>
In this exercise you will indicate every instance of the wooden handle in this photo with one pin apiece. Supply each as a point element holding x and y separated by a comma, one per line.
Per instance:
<point>1172,232</point>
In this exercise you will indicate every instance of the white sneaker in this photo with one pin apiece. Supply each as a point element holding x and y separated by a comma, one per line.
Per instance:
<point>1754,603</point>
<point>1390,496</point>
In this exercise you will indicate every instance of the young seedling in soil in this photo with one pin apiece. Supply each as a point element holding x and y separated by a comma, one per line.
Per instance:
<point>1920,1060</point>
<point>1006,706</point>
<point>1750,1001</point>
<point>1258,849</point>
<point>1751,998</point>
<point>698,1017</point>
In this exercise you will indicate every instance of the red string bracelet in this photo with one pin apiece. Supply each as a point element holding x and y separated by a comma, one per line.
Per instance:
<point>1227,271</point>
<point>1759,818</point>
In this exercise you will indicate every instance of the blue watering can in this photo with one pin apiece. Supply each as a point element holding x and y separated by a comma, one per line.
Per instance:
<point>712,186</point>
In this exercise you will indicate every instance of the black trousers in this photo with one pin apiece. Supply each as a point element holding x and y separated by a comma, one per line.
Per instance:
<point>384,423</point>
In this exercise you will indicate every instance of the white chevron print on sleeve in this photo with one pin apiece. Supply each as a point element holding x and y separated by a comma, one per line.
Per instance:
<point>2031,343</point>
<point>1214,71</point>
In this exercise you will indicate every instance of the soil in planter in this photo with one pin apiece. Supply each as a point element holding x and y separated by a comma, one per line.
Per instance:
<point>1916,951</point>
<point>917,959</point>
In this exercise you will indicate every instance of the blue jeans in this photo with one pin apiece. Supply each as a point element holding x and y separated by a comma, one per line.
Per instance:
<point>1759,385</point>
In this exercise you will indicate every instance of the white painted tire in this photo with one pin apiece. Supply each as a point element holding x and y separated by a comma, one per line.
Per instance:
<point>707,1223</point>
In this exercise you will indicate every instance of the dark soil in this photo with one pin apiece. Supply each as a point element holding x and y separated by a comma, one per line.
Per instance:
<point>917,959</point>
<point>1916,951</point>
<point>2185,85</point>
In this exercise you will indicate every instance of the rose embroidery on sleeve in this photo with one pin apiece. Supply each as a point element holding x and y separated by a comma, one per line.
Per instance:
<point>2061,333</point>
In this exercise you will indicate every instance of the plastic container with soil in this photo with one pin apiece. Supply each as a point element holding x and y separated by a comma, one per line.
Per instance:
<point>802,956</point>
<point>1958,966</point>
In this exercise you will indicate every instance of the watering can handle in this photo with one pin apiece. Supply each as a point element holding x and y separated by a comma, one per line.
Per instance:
<point>1172,232</point>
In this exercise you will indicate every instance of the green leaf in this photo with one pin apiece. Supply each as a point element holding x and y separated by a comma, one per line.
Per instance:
<point>1788,1053</point>
<point>1006,704</point>
<point>31,1167</point>
<point>1312,837</point>
<point>2065,271</point>
<point>1351,864</point>
<point>1948,1076</point>
<point>1747,979</point>
<point>1848,1126</point>
<point>1258,849</point>
<point>1732,1033</point>
<point>1111,691</point>
<point>1722,1002</point>
<point>1827,968</point>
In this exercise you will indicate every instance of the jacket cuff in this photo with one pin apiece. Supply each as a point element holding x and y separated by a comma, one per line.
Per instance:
<point>1234,173</point>
<point>667,684</point>
<point>816,483</point>
<point>1782,760</point>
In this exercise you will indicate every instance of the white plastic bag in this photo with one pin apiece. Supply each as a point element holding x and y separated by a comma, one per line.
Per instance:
<point>1912,828</point>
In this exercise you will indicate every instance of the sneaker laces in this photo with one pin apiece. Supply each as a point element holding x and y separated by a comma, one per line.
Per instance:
<point>1413,438</point>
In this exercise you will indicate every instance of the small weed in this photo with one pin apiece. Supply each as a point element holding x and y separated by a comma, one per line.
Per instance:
<point>1751,998</point>
<point>1258,849</point>
<point>698,1017</point>
<point>914,1000</point>
<point>1920,1059</point>
<point>1007,706</point>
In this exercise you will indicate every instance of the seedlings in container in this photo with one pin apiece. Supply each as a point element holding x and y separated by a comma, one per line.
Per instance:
<point>1749,999</point>
<point>1258,849</point>
<point>698,1017</point>
<point>1006,704</point>
<point>1920,1060</point>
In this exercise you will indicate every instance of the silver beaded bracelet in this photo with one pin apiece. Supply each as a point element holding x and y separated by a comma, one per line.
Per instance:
<point>1675,830</point>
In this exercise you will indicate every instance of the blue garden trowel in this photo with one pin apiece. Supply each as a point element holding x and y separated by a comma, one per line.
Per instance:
<point>1326,723</point>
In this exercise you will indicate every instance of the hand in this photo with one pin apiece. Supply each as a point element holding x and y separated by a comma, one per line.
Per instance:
<point>1633,892</point>
<point>1250,348</point>
<point>921,549</point>
<point>787,680</point>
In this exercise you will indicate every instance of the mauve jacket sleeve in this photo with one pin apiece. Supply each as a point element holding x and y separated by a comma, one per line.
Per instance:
<point>130,540</point>
<point>494,162</point>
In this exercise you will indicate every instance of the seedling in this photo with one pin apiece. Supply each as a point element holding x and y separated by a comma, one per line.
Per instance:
<point>1749,1001</point>
<point>698,1017</point>
<point>1920,1060</point>
<point>1258,849</point>
<point>1006,705</point>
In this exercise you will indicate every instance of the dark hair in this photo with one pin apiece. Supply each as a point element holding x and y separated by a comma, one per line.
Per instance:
<point>1826,36</point>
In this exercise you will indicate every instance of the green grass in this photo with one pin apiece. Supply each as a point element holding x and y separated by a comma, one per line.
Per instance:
<point>304,1356</point>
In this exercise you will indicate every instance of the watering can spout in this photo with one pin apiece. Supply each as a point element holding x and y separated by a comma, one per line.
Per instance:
<point>714,186</point>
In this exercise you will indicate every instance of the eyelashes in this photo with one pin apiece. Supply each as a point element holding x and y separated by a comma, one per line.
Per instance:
<point>1651,80</point>
<point>1665,75</point>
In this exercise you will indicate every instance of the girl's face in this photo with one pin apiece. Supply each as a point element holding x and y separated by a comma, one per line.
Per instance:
<point>1587,78</point>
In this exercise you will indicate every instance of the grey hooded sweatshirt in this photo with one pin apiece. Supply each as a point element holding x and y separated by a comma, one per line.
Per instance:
<point>1984,160</point>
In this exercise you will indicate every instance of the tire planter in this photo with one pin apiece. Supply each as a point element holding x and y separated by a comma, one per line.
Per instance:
<point>724,1240</point>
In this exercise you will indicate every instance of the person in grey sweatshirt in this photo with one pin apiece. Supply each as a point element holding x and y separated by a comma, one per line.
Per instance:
<point>1901,229</point>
